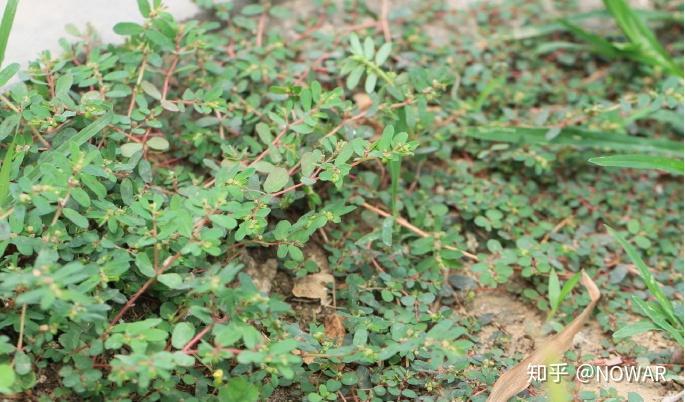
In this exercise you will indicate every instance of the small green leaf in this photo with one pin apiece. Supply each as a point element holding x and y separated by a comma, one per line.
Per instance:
<point>94,185</point>
<point>224,221</point>
<point>78,219</point>
<point>22,363</point>
<point>306,99</point>
<point>238,389</point>
<point>276,180</point>
<point>354,77</point>
<point>264,133</point>
<point>368,48</point>
<point>386,233</point>
<point>128,28</point>
<point>7,377</point>
<point>130,148</point>
<point>144,8</point>
<point>302,128</point>
<point>360,337</point>
<point>355,45</point>
<point>253,9</point>
<point>173,281</point>
<point>370,83</point>
<point>309,161</point>
<point>151,90</point>
<point>158,143</point>
<point>144,264</point>
<point>169,105</point>
<point>284,346</point>
<point>80,196</point>
<point>383,53</point>
<point>182,333</point>
<point>295,253</point>
<point>63,84</point>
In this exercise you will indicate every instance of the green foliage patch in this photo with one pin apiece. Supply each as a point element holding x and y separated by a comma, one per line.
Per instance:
<point>427,166</point>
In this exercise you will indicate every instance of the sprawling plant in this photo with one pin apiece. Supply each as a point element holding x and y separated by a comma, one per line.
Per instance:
<point>146,188</point>
<point>139,173</point>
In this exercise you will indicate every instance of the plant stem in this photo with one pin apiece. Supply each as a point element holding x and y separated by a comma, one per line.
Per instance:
<point>406,224</point>
<point>22,321</point>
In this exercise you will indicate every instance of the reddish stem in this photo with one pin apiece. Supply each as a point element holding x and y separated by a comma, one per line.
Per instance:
<point>201,334</point>
<point>131,302</point>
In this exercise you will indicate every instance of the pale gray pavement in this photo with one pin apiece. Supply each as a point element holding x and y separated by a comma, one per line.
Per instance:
<point>40,23</point>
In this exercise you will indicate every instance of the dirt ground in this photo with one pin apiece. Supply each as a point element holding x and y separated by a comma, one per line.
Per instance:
<point>524,326</point>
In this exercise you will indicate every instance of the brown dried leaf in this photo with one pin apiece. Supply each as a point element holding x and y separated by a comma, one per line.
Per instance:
<point>306,358</point>
<point>516,379</point>
<point>334,328</point>
<point>314,287</point>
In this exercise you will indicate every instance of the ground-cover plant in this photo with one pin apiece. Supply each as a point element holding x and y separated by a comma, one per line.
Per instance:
<point>643,47</point>
<point>169,201</point>
<point>135,180</point>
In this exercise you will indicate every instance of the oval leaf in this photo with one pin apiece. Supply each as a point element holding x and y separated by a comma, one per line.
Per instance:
<point>276,180</point>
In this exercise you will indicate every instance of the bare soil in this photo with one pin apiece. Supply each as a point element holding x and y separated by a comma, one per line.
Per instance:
<point>523,326</point>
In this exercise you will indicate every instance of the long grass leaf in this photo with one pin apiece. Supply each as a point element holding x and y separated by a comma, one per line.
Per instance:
<point>646,275</point>
<point>490,87</point>
<point>597,44</point>
<point>528,32</point>
<point>576,137</point>
<point>565,291</point>
<point>637,161</point>
<point>648,48</point>
<point>5,171</point>
<point>6,26</point>
<point>8,72</point>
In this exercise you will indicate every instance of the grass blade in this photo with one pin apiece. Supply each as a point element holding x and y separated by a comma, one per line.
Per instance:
<point>634,329</point>
<point>492,85</point>
<point>648,48</point>
<point>565,291</point>
<point>598,44</point>
<point>5,171</point>
<point>646,275</point>
<point>576,137</point>
<point>637,161</point>
<point>528,32</point>
<point>553,291</point>
<point>6,26</point>
<point>8,72</point>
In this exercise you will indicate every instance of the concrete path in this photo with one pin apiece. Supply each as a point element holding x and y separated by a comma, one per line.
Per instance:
<point>40,23</point>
